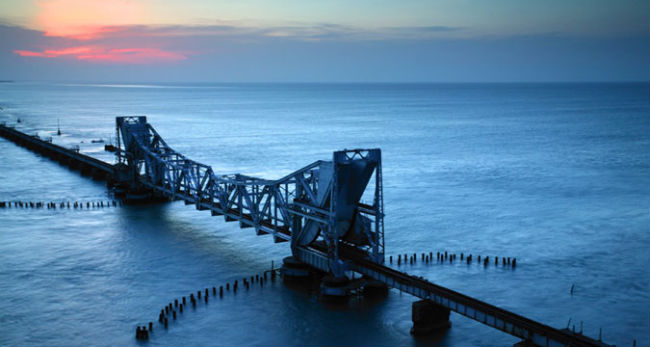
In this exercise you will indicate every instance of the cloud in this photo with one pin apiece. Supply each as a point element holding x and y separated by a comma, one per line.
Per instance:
<point>140,44</point>
<point>297,31</point>
<point>52,53</point>
<point>320,52</point>
<point>107,55</point>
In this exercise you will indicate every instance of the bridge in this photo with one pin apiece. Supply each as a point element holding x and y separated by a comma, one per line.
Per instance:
<point>69,157</point>
<point>330,211</point>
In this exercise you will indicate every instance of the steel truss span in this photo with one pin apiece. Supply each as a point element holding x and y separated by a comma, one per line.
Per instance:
<point>320,202</point>
<point>319,209</point>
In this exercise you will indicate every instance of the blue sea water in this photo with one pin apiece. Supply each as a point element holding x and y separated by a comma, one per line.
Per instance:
<point>557,175</point>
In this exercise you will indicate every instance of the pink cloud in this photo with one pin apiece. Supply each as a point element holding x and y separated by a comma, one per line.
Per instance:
<point>29,53</point>
<point>108,55</point>
<point>133,56</point>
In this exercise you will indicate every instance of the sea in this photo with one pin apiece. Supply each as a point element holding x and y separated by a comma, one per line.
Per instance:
<point>556,175</point>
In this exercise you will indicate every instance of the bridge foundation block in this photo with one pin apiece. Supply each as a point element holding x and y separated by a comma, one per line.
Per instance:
<point>293,269</point>
<point>119,190</point>
<point>138,197</point>
<point>334,288</point>
<point>429,317</point>
<point>375,289</point>
<point>96,174</point>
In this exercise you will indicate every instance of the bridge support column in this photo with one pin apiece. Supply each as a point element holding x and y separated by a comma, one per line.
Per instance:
<point>429,317</point>
<point>85,170</point>
<point>375,289</point>
<point>140,196</point>
<point>293,269</point>
<point>334,288</point>
<point>95,174</point>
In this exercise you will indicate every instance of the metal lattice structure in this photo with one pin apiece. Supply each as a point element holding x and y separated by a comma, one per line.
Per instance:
<point>319,203</point>
<point>317,208</point>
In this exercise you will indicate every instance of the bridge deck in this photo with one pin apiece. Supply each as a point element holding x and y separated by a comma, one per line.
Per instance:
<point>57,152</point>
<point>495,317</point>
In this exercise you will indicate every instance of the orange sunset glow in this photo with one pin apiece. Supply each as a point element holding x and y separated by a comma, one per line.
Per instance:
<point>89,21</point>
<point>85,20</point>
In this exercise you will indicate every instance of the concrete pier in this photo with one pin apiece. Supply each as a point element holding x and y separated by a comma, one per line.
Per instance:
<point>428,318</point>
<point>374,289</point>
<point>293,269</point>
<point>334,288</point>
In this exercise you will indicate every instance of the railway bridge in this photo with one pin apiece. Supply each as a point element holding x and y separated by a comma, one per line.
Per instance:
<point>331,212</point>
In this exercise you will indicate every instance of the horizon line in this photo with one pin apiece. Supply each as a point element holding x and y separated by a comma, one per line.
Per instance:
<point>319,82</point>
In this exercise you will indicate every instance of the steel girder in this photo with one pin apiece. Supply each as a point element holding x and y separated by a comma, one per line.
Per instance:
<point>319,203</point>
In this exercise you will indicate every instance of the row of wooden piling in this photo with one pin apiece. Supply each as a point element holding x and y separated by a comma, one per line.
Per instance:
<point>61,204</point>
<point>178,306</point>
<point>450,258</point>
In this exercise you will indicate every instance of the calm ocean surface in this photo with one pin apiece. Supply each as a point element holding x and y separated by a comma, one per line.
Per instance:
<point>557,175</point>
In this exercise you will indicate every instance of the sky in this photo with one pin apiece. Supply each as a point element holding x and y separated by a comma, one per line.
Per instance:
<point>325,41</point>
